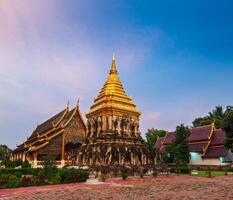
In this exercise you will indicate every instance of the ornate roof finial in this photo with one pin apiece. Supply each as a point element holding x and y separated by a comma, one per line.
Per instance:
<point>78,102</point>
<point>113,67</point>
<point>68,104</point>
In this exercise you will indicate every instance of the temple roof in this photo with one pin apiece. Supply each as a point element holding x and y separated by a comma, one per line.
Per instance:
<point>217,137</point>
<point>202,133</point>
<point>216,152</point>
<point>49,129</point>
<point>113,96</point>
<point>169,138</point>
<point>198,147</point>
<point>216,148</point>
<point>205,140</point>
<point>49,124</point>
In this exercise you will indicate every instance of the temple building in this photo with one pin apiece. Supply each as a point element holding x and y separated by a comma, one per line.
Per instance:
<point>58,137</point>
<point>113,136</point>
<point>206,146</point>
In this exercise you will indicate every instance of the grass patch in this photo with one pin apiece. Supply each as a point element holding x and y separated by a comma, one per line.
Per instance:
<point>206,173</point>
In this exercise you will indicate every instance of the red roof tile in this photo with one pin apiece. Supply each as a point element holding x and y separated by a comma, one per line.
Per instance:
<point>169,138</point>
<point>215,152</point>
<point>217,137</point>
<point>197,147</point>
<point>200,133</point>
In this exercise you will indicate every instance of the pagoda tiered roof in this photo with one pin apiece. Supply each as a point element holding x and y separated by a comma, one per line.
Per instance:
<point>113,97</point>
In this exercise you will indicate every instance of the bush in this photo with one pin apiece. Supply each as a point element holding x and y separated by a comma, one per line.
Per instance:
<point>73,175</point>
<point>11,178</point>
<point>19,172</point>
<point>124,175</point>
<point>3,180</point>
<point>155,173</point>
<point>11,164</point>
<point>141,174</point>
<point>13,182</point>
<point>26,164</point>
<point>48,165</point>
<point>27,181</point>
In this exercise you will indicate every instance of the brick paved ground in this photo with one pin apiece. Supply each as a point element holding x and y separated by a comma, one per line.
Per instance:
<point>162,187</point>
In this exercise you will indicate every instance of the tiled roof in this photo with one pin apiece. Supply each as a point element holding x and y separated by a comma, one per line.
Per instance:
<point>169,138</point>
<point>49,128</point>
<point>216,152</point>
<point>202,133</point>
<point>158,143</point>
<point>217,137</point>
<point>18,149</point>
<point>205,140</point>
<point>47,125</point>
<point>197,147</point>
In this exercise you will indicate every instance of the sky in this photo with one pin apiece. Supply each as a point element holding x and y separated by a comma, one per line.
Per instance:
<point>174,57</point>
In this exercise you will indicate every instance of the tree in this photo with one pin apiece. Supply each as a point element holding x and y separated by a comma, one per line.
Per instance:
<point>178,151</point>
<point>217,116</point>
<point>4,152</point>
<point>182,155</point>
<point>151,138</point>
<point>228,127</point>
<point>48,163</point>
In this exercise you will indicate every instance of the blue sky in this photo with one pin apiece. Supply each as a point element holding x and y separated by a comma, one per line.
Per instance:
<point>175,58</point>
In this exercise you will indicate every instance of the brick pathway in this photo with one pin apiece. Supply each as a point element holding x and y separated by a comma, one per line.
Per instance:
<point>162,187</point>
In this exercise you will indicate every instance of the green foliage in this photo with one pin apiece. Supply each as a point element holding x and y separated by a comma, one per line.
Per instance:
<point>10,178</point>
<point>124,175</point>
<point>3,180</point>
<point>13,182</point>
<point>4,152</point>
<point>178,152</point>
<point>49,165</point>
<point>11,164</point>
<point>73,175</point>
<point>216,116</point>
<point>26,164</point>
<point>228,128</point>
<point>20,172</point>
<point>151,137</point>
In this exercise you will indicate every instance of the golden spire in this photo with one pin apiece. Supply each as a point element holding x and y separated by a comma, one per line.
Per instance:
<point>113,96</point>
<point>113,67</point>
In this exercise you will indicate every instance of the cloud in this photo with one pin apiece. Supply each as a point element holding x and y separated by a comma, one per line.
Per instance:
<point>48,58</point>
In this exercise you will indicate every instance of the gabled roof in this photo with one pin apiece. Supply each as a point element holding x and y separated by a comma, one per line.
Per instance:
<point>49,129</point>
<point>169,138</point>
<point>49,124</point>
<point>205,140</point>
<point>217,137</point>
<point>216,148</point>
<point>202,133</point>
<point>198,147</point>
<point>216,152</point>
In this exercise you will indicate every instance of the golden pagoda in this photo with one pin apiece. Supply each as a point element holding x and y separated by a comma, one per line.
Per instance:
<point>112,99</point>
<point>113,135</point>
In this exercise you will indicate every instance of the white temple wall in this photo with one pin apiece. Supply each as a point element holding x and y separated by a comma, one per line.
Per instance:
<point>196,159</point>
